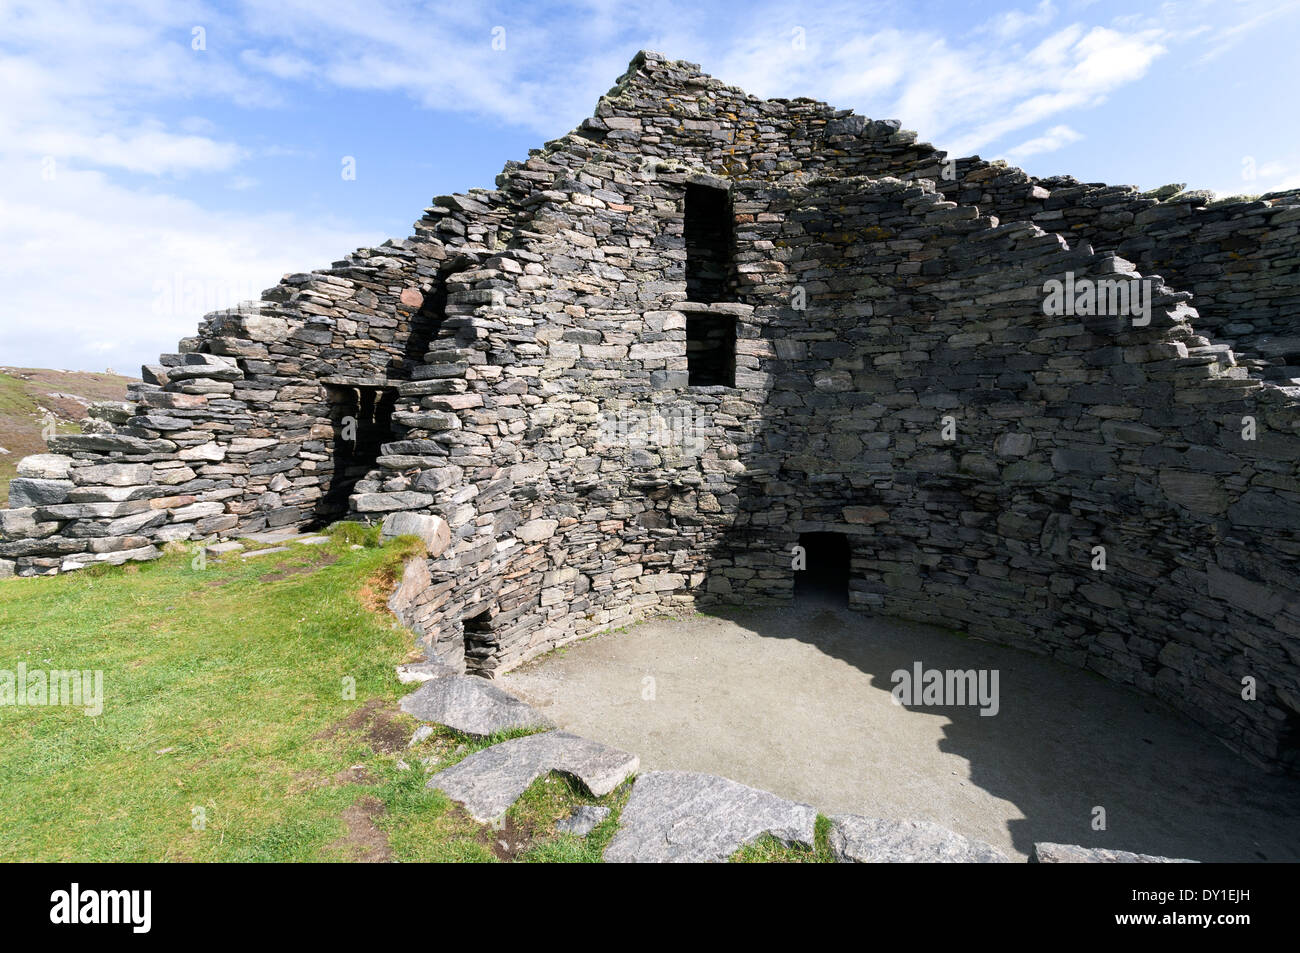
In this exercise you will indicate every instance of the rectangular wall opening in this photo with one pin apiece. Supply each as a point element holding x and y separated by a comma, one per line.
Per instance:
<point>478,636</point>
<point>711,350</point>
<point>362,417</point>
<point>427,325</point>
<point>827,567</point>
<point>710,245</point>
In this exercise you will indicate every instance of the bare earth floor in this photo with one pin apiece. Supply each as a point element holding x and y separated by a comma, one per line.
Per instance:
<point>797,701</point>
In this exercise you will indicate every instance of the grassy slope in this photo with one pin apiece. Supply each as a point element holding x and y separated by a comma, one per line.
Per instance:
<point>26,395</point>
<point>223,690</point>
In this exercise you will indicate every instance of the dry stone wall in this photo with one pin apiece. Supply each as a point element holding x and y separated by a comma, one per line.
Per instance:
<point>520,371</point>
<point>1067,434</point>
<point>1241,259</point>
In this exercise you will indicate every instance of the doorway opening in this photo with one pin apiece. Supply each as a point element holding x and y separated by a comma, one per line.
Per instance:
<point>828,564</point>
<point>478,637</point>
<point>362,417</point>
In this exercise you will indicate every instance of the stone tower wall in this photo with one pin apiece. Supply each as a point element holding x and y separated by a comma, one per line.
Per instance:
<point>532,340</point>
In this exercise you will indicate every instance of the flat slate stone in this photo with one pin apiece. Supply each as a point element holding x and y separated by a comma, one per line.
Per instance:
<point>264,552</point>
<point>583,820</point>
<point>870,840</point>
<point>472,705</point>
<point>687,817</point>
<point>489,781</point>
<point>272,536</point>
<point>412,672</point>
<point>1045,853</point>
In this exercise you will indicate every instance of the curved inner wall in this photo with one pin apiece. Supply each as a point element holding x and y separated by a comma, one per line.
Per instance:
<point>891,377</point>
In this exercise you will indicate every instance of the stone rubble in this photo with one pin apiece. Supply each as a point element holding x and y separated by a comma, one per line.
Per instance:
<point>583,820</point>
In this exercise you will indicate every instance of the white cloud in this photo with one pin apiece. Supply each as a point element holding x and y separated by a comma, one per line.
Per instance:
<point>1014,22</point>
<point>97,275</point>
<point>1228,36</point>
<point>147,149</point>
<point>1050,141</point>
<point>98,272</point>
<point>90,85</point>
<point>963,93</point>
<point>1258,177</point>
<point>282,65</point>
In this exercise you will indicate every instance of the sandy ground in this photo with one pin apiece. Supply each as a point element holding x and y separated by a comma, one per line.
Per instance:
<point>797,701</point>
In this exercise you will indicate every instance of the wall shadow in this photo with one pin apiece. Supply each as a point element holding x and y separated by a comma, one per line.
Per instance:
<point>1065,741</point>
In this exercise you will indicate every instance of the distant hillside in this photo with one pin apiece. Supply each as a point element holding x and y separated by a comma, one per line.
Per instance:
<point>29,395</point>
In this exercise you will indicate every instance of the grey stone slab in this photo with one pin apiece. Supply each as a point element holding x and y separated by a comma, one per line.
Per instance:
<point>412,672</point>
<point>583,820</point>
<point>380,502</point>
<point>264,552</point>
<point>687,817</point>
<point>274,535</point>
<point>433,530</point>
<point>45,466</point>
<point>489,781</point>
<point>870,840</point>
<point>29,491</point>
<point>471,704</point>
<point>1046,853</point>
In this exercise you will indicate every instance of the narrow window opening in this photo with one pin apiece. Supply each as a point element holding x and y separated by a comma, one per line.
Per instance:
<point>710,350</point>
<point>825,578</point>
<point>426,325</point>
<point>710,254</point>
<point>362,418</point>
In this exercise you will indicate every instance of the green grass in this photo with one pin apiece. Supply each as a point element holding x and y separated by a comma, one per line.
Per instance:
<point>769,850</point>
<point>217,684</point>
<point>224,700</point>
<point>228,733</point>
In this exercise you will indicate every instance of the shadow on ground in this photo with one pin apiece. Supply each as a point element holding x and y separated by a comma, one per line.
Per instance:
<point>797,701</point>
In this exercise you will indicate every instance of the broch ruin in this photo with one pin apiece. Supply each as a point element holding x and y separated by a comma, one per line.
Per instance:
<point>704,329</point>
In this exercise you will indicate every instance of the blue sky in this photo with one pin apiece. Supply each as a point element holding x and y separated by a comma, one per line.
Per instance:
<point>160,159</point>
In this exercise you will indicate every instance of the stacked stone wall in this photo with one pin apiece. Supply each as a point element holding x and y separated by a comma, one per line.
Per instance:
<point>534,339</point>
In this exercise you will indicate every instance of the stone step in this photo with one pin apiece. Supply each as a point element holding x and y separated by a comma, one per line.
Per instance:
<point>868,840</point>
<point>264,552</point>
<point>1045,853</point>
<point>271,536</point>
<point>688,817</point>
<point>488,782</point>
<point>472,705</point>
